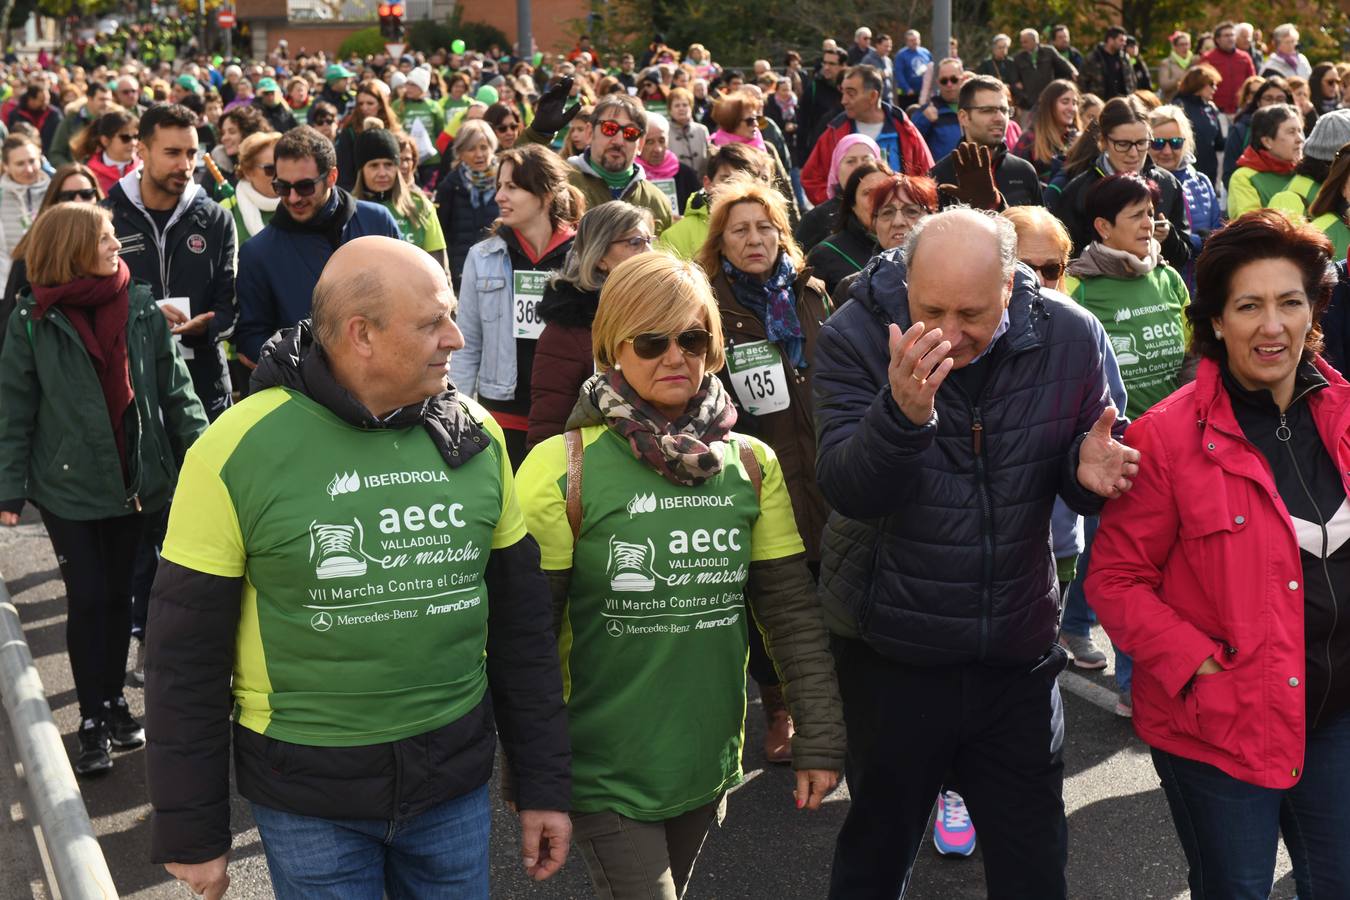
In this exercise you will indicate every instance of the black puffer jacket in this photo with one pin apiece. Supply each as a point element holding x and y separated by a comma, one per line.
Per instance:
<point>961,569</point>
<point>191,652</point>
<point>462,224</point>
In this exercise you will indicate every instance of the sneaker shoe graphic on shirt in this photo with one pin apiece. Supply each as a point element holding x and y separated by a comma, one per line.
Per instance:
<point>1126,352</point>
<point>630,566</point>
<point>330,548</point>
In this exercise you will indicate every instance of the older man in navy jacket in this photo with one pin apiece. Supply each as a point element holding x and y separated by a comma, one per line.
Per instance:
<point>953,404</point>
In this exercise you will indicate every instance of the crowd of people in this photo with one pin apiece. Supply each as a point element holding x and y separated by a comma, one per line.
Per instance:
<point>614,379</point>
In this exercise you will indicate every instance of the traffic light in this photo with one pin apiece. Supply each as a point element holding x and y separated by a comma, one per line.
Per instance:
<point>391,21</point>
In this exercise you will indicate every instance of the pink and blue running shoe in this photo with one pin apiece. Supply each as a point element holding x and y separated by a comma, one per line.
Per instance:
<point>953,833</point>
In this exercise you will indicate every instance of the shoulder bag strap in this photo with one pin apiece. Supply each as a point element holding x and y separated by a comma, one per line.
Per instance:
<point>751,464</point>
<point>574,460</point>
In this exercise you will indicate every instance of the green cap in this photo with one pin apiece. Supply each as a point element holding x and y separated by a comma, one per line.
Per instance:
<point>268,84</point>
<point>188,83</point>
<point>336,71</point>
<point>217,60</point>
<point>486,94</point>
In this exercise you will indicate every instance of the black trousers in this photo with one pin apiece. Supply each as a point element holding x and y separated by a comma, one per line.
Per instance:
<point>97,560</point>
<point>147,564</point>
<point>998,733</point>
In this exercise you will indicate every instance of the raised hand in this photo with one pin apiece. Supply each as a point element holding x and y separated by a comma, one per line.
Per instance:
<point>550,113</point>
<point>1105,465</point>
<point>919,363</point>
<point>975,185</point>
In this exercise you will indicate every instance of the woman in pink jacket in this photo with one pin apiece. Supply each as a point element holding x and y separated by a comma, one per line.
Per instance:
<point>1222,573</point>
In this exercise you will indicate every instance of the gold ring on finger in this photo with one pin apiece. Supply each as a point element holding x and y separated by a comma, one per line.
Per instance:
<point>917,378</point>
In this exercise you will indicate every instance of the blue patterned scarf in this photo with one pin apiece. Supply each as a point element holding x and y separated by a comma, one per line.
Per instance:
<point>774,302</point>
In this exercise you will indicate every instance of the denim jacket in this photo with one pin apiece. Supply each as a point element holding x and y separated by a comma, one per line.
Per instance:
<point>486,367</point>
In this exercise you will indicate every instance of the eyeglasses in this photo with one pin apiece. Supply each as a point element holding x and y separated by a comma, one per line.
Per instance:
<point>506,126</point>
<point>1050,271</point>
<point>693,342</point>
<point>950,79</point>
<point>126,138</point>
<point>910,211</point>
<point>637,242</point>
<point>750,120</point>
<point>304,188</point>
<point>270,170</point>
<point>1176,143</point>
<point>1138,146</point>
<point>988,110</point>
<point>322,120</point>
<point>631,133</point>
<point>88,195</point>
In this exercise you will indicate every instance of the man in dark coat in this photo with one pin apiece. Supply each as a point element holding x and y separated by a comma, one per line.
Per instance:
<point>1037,66</point>
<point>1107,71</point>
<point>953,404</point>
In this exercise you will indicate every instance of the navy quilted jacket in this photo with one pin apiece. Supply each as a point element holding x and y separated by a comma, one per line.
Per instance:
<point>960,568</point>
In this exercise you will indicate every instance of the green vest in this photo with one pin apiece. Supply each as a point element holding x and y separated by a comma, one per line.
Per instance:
<point>1268,184</point>
<point>656,600</point>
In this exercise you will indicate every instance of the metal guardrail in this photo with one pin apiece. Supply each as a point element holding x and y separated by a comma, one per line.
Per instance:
<point>58,809</point>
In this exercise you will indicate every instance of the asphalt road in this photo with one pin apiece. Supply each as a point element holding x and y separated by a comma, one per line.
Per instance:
<point>1121,842</point>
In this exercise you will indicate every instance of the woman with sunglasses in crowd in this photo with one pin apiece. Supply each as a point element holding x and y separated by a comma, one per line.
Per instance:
<point>323,118</point>
<point>72,183</point>
<point>772,309</point>
<point>379,181</point>
<point>108,146</point>
<point>254,201</point>
<point>503,282</point>
<point>1172,150</point>
<point>372,101</point>
<point>466,197</point>
<point>1116,144</point>
<point>738,120</point>
<point>669,527</point>
<point>606,236</point>
<point>505,123</point>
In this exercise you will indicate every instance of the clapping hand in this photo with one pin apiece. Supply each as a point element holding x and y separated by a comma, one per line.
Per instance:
<point>1105,465</point>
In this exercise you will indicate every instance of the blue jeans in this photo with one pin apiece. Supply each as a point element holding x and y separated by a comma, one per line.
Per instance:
<point>1229,829</point>
<point>1078,616</point>
<point>441,853</point>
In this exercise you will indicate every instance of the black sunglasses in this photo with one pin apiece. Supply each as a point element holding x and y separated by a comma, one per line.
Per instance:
<point>304,188</point>
<point>322,120</point>
<point>126,138</point>
<point>270,170</point>
<point>1176,143</point>
<point>88,195</point>
<point>693,342</point>
<point>1049,271</point>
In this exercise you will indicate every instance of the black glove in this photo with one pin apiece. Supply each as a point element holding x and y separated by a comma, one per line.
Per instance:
<point>975,185</point>
<point>550,113</point>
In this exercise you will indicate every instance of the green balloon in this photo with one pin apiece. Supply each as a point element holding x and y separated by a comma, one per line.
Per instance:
<point>538,57</point>
<point>457,45</point>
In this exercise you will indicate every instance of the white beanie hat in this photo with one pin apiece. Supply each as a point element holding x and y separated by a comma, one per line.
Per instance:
<point>397,80</point>
<point>420,76</point>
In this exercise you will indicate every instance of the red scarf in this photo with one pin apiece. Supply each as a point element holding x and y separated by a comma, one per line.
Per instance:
<point>98,307</point>
<point>1261,161</point>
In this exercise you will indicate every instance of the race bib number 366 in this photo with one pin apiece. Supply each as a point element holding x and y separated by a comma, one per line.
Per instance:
<point>758,378</point>
<point>529,289</point>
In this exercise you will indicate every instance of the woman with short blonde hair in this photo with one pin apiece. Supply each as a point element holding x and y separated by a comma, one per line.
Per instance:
<point>620,506</point>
